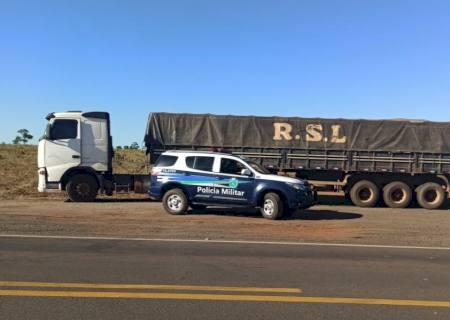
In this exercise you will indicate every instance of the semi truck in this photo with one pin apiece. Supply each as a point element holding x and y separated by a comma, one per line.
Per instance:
<point>395,162</point>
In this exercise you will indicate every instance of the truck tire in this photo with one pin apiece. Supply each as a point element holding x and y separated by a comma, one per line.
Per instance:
<point>430,196</point>
<point>397,194</point>
<point>365,194</point>
<point>82,188</point>
<point>175,202</point>
<point>272,206</point>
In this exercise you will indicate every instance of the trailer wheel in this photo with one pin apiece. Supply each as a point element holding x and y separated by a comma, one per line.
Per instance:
<point>272,206</point>
<point>397,194</point>
<point>365,194</point>
<point>82,188</point>
<point>175,202</point>
<point>430,196</point>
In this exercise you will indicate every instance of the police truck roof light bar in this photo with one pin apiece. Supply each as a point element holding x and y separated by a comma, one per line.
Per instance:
<point>221,150</point>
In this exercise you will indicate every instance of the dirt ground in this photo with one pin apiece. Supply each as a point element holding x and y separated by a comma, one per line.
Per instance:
<point>337,223</point>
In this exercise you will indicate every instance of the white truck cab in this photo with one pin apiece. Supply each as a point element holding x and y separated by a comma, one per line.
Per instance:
<point>75,154</point>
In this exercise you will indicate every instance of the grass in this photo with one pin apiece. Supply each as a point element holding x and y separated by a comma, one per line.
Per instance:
<point>18,169</point>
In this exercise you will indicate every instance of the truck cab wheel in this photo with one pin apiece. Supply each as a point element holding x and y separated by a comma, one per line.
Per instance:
<point>365,194</point>
<point>272,206</point>
<point>431,196</point>
<point>397,194</point>
<point>175,202</point>
<point>82,188</point>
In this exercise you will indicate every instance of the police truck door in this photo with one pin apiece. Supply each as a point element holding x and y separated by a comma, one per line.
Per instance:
<point>236,184</point>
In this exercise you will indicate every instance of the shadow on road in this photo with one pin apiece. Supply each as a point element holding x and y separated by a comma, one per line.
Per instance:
<point>300,215</point>
<point>325,215</point>
<point>112,200</point>
<point>334,200</point>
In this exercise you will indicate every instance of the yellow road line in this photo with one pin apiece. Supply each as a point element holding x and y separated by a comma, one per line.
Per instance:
<point>224,297</point>
<point>145,286</point>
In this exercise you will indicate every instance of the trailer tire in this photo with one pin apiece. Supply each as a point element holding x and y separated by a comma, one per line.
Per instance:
<point>82,188</point>
<point>397,194</point>
<point>365,194</point>
<point>430,196</point>
<point>175,202</point>
<point>272,206</point>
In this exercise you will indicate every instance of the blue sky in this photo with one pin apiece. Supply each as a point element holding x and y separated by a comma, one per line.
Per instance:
<point>350,59</point>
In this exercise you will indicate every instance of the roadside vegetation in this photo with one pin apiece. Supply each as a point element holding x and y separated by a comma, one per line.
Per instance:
<point>18,169</point>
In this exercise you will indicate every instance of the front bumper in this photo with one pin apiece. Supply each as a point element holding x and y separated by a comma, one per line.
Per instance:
<point>304,199</point>
<point>43,185</point>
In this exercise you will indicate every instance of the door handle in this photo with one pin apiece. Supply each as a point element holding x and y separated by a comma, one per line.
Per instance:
<point>75,156</point>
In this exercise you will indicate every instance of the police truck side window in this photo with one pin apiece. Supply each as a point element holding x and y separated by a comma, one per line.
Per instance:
<point>166,161</point>
<point>200,163</point>
<point>64,129</point>
<point>190,161</point>
<point>204,163</point>
<point>231,166</point>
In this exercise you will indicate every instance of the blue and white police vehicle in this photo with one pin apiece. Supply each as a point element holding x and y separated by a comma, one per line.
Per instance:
<point>198,179</point>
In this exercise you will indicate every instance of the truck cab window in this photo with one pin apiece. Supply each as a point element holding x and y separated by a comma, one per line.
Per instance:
<point>200,163</point>
<point>231,166</point>
<point>64,129</point>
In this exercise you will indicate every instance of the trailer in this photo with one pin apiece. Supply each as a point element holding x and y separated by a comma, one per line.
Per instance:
<point>370,161</point>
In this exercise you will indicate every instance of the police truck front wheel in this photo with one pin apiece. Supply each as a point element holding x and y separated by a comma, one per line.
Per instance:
<point>272,206</point>
<point>175,202</point>
<point>82,188</point>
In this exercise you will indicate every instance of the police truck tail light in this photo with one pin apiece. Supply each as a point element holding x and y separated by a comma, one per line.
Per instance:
<point>155,172</point>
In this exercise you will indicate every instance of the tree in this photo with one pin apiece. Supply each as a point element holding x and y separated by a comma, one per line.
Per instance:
<point>119,147</point>
<point>23,137</point>
<point>134,145</point>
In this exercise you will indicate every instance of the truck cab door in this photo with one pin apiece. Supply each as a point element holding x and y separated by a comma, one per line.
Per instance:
<point>95,143</point>
<point>62,148</point>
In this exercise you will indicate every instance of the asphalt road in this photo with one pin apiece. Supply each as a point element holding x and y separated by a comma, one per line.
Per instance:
<point>116,279</point>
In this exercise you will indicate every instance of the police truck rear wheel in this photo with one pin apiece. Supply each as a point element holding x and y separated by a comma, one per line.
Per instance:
<point>397,194</point>
<point>431,196</point>
<point>175,202</point>
<point>272,206</point>
<point>365,194</point>
<point>82,188</point>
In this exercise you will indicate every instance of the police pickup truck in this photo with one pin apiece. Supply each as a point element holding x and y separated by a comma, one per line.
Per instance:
<point>199,179</point>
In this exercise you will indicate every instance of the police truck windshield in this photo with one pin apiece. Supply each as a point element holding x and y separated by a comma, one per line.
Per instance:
<point>257,167</point>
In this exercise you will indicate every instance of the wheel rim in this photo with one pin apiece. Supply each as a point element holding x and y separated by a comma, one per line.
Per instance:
<point>174,202</point>
<point>398,195</point>
<point>83,189</point>
<point>431,196</point>
<point>365,194</point>
<point>269,207</point>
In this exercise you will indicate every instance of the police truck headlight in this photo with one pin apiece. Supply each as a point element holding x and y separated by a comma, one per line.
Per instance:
<point>297,186</point>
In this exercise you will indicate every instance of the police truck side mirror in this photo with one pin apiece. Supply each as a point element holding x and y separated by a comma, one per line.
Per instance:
<point>246,172</point>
